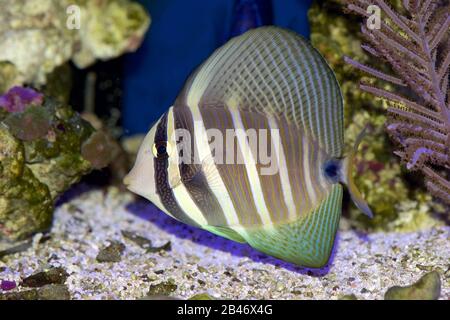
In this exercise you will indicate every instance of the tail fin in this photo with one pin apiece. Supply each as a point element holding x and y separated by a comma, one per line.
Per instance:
<point>347,176</point>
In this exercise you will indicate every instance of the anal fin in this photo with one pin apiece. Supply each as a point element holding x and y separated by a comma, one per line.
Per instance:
<point>307,241</point>
<point>226,233</point>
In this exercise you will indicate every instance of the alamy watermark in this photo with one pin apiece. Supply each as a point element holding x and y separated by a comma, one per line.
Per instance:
<point>257,147</point>
<point>73,21</point>
<point>374,19</point>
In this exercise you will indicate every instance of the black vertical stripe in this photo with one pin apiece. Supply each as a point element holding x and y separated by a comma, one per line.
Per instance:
<point>194,179</point>
<point>163,189</point>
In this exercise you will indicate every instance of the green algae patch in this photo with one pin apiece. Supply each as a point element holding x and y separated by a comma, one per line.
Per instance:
<point>427,288</point>
<point>201,296</point>
<point>162,289</point>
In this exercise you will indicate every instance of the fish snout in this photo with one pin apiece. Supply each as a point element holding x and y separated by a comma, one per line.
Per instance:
<point>130,179</point>
<point>140,179</point>
<point>127,180</point>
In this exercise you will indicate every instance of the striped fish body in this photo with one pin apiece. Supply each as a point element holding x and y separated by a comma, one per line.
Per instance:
<point>252,148</point>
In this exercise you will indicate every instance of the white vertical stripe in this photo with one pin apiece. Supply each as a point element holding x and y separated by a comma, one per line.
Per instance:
<point>216,185</point>
<point>180,192</point>
<point>250,167</point>
<point>323,181</point>
<point>306,169</point>
<point>284,175</point>
<point>173,169</point>
<point>188,205</point>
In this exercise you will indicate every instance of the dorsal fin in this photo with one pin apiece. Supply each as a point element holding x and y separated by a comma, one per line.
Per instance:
<point>273,70</point>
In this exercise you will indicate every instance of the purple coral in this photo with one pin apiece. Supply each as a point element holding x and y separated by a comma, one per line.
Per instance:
<point>17,99</point>
<point>415,42</point>
<point>27,119</point>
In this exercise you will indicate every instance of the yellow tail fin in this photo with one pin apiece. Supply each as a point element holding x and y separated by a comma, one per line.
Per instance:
<point>347,176</point>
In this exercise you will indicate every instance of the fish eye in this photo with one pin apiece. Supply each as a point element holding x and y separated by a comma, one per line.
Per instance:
<point>331,169</point>
<point>161,149</point>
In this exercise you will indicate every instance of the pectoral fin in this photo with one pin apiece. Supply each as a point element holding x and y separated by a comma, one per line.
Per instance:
<point>349,164</point>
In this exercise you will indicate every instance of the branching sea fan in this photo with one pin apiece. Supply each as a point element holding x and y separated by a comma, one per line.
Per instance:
<point>416,44</point>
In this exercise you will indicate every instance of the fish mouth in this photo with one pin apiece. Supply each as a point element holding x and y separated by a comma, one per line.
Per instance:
<point>126,181</point>
<point>129,185</point>
<point>132,183</point>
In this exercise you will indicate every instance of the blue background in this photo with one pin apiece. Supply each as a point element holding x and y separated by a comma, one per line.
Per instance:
<point>183,33</point>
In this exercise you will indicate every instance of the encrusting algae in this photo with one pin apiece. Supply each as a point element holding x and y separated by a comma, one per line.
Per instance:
<point>42,144</point>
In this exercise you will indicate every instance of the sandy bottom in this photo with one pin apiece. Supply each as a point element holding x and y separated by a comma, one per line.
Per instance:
<point>199,262</point>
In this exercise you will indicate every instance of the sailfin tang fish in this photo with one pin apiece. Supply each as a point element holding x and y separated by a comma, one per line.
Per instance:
<point>266,79</point>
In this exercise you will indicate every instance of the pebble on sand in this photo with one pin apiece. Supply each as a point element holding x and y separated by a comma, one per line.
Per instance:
<point>111,253</point>
<point>427,288</point>
<point>6,285</point>
<point>52,276</point>
<point>47,292</point>
<point>162,289</point>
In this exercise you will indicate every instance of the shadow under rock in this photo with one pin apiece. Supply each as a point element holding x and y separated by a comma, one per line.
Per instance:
<point>147,211</point>
<point>96,180</point>
<point>74,192</point>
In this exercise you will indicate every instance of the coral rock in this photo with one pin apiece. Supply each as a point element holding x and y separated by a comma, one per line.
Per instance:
<point>35,38</point>
<point>40,157</point>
